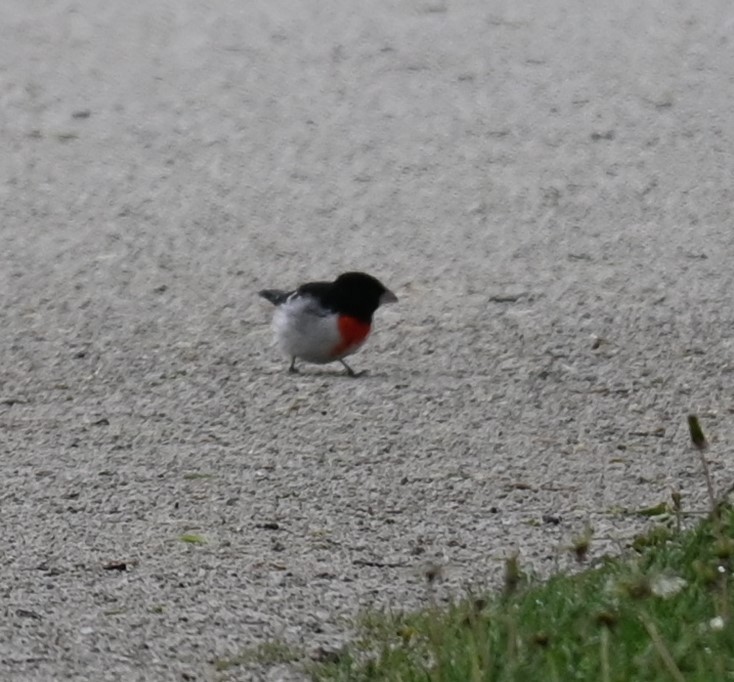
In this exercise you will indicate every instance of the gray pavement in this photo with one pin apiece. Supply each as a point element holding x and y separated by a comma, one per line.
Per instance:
<point>546,185</point>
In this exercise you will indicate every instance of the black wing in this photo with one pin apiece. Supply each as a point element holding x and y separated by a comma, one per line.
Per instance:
<point>275,296</point>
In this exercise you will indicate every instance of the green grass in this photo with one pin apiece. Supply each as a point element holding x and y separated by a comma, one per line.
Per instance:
<point>661,613</point>
<point>268,653</point>
<point>192,539</point>
<point>197,476</point>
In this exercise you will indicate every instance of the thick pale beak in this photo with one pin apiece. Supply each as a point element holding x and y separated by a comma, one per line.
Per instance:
<point>388,297</point>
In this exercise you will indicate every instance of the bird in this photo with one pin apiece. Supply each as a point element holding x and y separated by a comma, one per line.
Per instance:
<point>323,322</point>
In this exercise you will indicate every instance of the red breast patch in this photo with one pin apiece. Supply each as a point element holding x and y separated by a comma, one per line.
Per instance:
<point>353,332</point>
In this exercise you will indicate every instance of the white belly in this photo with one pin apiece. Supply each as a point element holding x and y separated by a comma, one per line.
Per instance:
<point>301,332</point>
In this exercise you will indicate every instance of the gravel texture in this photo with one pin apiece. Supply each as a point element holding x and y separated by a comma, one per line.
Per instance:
<point>546,185</point>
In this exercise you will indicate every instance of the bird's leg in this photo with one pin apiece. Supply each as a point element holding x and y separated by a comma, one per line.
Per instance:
<point>293,369</point>
<point>350,371</point>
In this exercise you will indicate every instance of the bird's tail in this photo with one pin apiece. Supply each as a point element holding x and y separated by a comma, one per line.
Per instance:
<point>275,296</point>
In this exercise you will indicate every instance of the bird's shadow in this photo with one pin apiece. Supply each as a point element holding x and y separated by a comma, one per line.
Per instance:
<point>363,375</point>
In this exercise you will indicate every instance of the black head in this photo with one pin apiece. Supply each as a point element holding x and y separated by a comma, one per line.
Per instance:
<point>359,295</point>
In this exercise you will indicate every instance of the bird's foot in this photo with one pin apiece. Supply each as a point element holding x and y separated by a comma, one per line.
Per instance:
<point>351,372</point>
